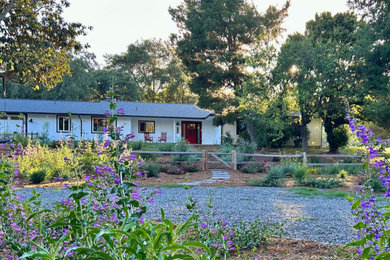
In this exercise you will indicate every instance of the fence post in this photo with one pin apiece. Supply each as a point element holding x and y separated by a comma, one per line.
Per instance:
<point>368,161</point>
<point>304,158</point>
<point>205,165</point>
<point>234,160</point>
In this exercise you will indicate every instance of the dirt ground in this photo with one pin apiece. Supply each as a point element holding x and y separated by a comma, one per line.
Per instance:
<point>295,249</point>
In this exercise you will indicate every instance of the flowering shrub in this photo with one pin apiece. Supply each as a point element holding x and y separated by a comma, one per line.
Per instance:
<point>252,168</point>
<point>177,170</point>
<point>190,166</point>
<point>101,219</point>
<point>371,218</point>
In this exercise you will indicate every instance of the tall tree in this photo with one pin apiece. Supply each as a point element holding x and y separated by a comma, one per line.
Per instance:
<point>374,52</point>
<point>323,63</point>
<point>154,67</point>
<point>36,41</point>
<point>215,37</point>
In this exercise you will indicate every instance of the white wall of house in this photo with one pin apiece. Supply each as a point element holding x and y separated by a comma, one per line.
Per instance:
<point>231,129</point>
<point>82,125</point>
<point>160,125</point>
<point>11,124</point>
<point>210,134</point>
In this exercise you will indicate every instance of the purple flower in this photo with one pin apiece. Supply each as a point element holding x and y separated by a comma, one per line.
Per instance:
<point>157,191</point>
<point>229,243</point>
<point>66,159</point>
<point>216,245</point>
<point>203,225</point>
<point>151,200</point>
<point>139,174</point>
<point>117,180</point>
<point>121,111</point>
<point>59,179</point>
<point>141,220</point>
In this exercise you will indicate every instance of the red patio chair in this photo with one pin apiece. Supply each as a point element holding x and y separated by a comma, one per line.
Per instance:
<point>163,137</point>
<point>147,137</point>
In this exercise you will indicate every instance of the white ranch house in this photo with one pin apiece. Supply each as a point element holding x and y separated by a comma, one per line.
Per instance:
<point>59,119</point>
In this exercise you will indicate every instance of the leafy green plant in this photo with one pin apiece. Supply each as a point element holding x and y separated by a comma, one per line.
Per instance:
<point>152,169</point>
<point>252,168</point>
<point>321,183</point>
<point>300,174</point>
<point>38,176</point>
<point>314,160</point>
<point>329,169</point>
<point>249,235</point>
<point>136,145</point>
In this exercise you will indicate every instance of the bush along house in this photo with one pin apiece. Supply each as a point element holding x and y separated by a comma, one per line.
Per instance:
<point>154,122</point>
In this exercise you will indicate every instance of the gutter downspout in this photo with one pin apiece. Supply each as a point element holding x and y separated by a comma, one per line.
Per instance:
<point>81,128</point>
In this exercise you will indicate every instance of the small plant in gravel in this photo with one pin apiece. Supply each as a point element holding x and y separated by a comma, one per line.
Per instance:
<point>253,168</point>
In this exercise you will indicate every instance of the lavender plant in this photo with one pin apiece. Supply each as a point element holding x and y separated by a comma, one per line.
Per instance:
<point>372,218</point>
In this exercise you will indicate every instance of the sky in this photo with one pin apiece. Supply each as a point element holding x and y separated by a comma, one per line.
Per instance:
<point>118,23</point>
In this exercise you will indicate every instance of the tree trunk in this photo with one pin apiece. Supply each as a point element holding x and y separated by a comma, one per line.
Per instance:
<point>304,136</point>
<point>251,130</point>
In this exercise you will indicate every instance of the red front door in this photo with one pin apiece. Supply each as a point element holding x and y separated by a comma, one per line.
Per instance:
<point>192,132</point>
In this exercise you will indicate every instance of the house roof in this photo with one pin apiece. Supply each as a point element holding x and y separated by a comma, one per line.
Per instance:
<point>135,109</point>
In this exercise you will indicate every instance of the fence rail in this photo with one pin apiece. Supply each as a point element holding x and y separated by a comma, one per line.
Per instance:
<point>234,163</point>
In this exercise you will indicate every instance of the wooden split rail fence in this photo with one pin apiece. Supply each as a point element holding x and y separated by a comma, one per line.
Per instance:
<point>233,163</point>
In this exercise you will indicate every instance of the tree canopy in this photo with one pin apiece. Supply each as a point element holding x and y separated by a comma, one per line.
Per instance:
<point>155,69</point>
<point>215,38</point>
<point>36,41</point>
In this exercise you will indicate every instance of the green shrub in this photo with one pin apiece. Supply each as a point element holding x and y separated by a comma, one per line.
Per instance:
<point>329,169</point>
<point>289,169</point>
<point>38,176</point>
<point>300,174</point>
<point>314,160</point>
<point>245,147</point>
<point>375,183</point>
<point>168,147</point>
<point>276,172</point>
<point>266,182</point>
<point>19,138</point>
<point>252,168</point>
<point>321,183</point>
<point>152,169</point>
<point>226,148</point>
<point>190,167</point>
<point>136,145</point>
<point>249,235</point>
<point>41,158</point>
<point>181,146</point>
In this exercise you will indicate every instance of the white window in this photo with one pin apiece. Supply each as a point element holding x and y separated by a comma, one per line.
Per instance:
<point>146,126</point>
<point>64,124</point>
<point>98,124</point>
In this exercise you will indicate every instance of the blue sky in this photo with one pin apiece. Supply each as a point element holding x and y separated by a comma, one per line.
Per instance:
<point>117,23</point>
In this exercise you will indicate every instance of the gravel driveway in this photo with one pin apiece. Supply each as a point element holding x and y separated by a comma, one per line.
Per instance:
<point>319,218</point>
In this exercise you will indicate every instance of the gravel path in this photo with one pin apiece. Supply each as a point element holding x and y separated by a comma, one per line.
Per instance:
<point>319,218</point>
